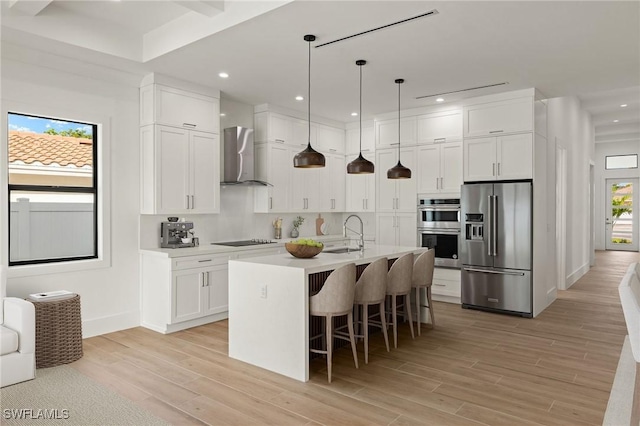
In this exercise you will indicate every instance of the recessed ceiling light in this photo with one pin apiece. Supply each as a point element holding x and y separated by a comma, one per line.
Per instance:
<point>222,114</point>
<point>623,106</point>
<point>354,114</point>
<point>299,98</point>
<point>223,75</point>
<point>440,100</point>
<point>615,121</point>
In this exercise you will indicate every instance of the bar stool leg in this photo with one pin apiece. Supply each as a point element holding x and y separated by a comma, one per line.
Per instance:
<point>394,318</point>
<point>384,325</point>
<point>352,337</point>
<point>365,325</point>
<point>418,308</point>
<point>407,307</point>
<point>328,331</point>
<point>430,302</point>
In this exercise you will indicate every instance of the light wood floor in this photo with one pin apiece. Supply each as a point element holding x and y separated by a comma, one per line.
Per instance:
<point>473,368</point>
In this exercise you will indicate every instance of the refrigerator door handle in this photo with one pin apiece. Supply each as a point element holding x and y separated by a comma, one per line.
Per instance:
<point>520,274</point>
<point>490,226</point>
<point>494,225</point>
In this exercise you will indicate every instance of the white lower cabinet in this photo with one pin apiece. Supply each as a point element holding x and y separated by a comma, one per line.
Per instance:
<point>396,229</point>
<point>446,285</point>
<point>199,292</point>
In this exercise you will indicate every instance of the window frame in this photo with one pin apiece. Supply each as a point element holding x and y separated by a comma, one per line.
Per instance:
<point>93,189</point>
<point>101,118</point>
<point>620,155</point>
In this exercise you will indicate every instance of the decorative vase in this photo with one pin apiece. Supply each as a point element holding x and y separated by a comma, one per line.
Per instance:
<point>295,233</point>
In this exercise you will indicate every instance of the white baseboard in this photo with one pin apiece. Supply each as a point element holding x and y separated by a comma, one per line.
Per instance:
<point>98,326</point>
<point>447,299</point>
<point>170,328</point>
<point>577,274</point>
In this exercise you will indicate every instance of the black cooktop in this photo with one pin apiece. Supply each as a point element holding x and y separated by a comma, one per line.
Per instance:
<point>243,243</point>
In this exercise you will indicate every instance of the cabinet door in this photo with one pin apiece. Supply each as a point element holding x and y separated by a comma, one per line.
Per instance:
<point>428,168</point>
<point>406,188</point>
<point>386,229</point>
<point>353,141</point>
<point>494,118</point>
<point>386,132</point>
<point>356,192</point>
<point>305,189</point>
<point>280,128</point>
<point>186,294</point>
<point>451,167</point>
<point>217,290</point>
<point>406,228</point>
<point>172,169</point>
<point>370,199</point>
<point>386,188</point>
<point>332,184</point>
<point>187,109</point>
<point>479,159</point>
<point>280,166</point>
<point>204,150</point>
<point>514,156</point>
<point>439,127</point>
<point>300,133</point>
<point>330,139</point>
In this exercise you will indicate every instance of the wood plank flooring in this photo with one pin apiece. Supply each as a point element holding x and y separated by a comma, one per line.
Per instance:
<point>472,368</point>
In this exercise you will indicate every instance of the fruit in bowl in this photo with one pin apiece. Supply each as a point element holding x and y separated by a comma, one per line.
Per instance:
<point>304,248</point>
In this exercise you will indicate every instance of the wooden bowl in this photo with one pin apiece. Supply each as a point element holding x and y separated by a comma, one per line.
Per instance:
<point>302,252</point>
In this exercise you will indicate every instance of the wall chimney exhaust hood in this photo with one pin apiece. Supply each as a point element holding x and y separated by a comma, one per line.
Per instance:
<point>238,157</point>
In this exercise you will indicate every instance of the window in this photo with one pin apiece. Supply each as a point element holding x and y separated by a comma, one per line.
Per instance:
<point>613,162</point>
<point>53,191</point>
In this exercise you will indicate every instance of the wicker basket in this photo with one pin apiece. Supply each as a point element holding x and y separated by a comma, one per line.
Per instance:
<point>302,252</point>
<point>58,331</point>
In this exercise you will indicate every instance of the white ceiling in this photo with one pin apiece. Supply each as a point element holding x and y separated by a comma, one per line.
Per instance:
<point>587,49</point>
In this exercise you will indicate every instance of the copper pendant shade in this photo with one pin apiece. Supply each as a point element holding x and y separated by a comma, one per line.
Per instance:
<point>360,165</point>
<point>309,157</point>
<point>399,171</point>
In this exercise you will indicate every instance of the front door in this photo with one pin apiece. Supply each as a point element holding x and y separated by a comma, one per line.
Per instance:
<point>621,225</point>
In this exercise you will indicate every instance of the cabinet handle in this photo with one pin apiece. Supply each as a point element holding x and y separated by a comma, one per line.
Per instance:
<point>279,141</point>
<point>440,140</point>
<point>439,285</point>
<point>203,280</point>
<point>193,201</point>
<point>363,208</point>
<point>496,131</point>
<point>205,260</point>
<point>270,203</point>
<point>494,170</point>
<point>333,150</point>
<point>188,203</point>
<point>189,125</point>
<point>498,169</point>
<point>441,183</point>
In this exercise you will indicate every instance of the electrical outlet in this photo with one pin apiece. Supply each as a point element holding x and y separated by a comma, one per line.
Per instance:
<point>263,291</point>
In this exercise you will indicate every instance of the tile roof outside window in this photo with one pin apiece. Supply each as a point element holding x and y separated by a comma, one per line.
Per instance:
<point>34,148</point>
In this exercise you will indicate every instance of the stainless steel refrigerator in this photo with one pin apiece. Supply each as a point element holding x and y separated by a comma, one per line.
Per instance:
<point>497,247</point>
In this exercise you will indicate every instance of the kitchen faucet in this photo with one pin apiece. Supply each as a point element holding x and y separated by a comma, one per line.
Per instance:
<point>361,233</point>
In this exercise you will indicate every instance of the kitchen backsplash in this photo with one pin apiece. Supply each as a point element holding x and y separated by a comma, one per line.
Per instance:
<point>237,221</point>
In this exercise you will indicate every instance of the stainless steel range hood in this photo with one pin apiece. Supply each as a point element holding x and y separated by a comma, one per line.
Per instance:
<point>238,157</point>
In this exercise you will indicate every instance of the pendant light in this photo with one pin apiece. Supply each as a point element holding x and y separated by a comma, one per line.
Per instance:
<point>399,171</point>
<point>309,158</point>
<point>360,165</point>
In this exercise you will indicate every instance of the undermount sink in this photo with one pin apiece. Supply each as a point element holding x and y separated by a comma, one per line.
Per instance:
<point>342,250</point>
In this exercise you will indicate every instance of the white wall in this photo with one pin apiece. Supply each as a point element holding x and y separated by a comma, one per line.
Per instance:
<point>571,126</point>
<point>110,295</point>
<point>601,151</point>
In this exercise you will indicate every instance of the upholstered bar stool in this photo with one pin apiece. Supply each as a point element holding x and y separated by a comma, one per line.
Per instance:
<point>399,279</point>
<point>422,279</point>
<point>335,299</point>
<point>371,290</point>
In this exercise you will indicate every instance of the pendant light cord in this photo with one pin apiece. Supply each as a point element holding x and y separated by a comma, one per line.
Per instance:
<point>399,123</point>
<point>360,110</point>
<point>309,96</point>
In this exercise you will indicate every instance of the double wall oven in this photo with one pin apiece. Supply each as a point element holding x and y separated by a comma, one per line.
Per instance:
<point>439,228</point>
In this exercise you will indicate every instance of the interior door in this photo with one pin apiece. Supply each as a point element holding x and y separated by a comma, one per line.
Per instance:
<point>621,224</point>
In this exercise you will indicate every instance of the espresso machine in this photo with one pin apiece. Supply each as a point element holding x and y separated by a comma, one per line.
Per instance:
<point>176,234</point>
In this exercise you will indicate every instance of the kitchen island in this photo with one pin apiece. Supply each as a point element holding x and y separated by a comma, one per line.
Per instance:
<point>269,305</point>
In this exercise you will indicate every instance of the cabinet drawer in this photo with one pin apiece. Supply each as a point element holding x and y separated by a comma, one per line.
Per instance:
<point>446,288</point>
<point>199,261</point>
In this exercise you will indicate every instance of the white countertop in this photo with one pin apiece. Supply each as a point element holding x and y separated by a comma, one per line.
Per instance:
<point>325,261</point>
<point>208,248</point>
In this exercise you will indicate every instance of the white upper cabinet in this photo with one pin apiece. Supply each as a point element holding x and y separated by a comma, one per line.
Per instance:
<point>332,184</point>
<point>179,171</point>
<point>500,117</point>
<point>395,195</point>
<point>160,104</point>
<point>439,127</point>
<point>507,157</point>
<point>300,133</point>
<point>272,127</point>
<point>353,141</point>
<point>273,164</point>
<point>440,168</point>
<point>386,132</point>
<point>330,139</point>
<point>451,167</point>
